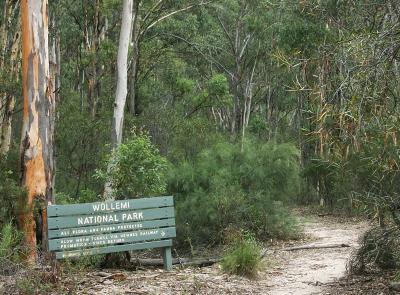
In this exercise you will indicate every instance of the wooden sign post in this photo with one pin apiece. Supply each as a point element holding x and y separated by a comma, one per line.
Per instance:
<point>98,228</point>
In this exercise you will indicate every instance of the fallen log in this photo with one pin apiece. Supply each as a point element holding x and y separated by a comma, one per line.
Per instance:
<point>177,261</point>
<point>309,247</point>
<point>183,261</point>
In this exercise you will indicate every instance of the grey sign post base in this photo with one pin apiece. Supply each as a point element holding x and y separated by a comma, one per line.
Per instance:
<point>167,258</point>
<point>107,227</point>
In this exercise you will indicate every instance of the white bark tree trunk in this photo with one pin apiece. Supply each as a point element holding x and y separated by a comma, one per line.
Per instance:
<point>122,67</point>
<point>122,84</point>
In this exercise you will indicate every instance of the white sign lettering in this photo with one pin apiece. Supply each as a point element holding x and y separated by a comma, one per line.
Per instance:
<point>132,216</point>
<point>97,219</point>
<point>110,206</point>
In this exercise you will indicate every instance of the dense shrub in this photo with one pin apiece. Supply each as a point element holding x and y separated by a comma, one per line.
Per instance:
<point>243,257</point>
<point>9,240</point>
<point>329,179</point>
<point>10,249</point>
<point>136,169</point>
<point>228,185</point>
<point>365,178</point>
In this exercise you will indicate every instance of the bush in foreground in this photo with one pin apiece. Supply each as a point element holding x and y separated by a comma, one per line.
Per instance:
<point>136,169</point>
<point>9,240</point>
<point>243,257</point>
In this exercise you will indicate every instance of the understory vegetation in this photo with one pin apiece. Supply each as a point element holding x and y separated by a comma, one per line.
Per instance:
<point>379,248</point>
<point>243,185</point>
<point>243,256</point>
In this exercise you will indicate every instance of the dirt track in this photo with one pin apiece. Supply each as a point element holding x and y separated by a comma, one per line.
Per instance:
<point>295,272</point>
<point>309,271</point>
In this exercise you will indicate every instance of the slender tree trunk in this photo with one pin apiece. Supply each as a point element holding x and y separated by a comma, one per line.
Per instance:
<point>5,135</point>
<point>122,74</point>
<point>93,67</point>
<point>133,108</point>
<point>58,74</point>
<point>4,28</point>
<point>37,162</point>
<point>134,60</point>
<point>10,52</point>
<point>122,83</point>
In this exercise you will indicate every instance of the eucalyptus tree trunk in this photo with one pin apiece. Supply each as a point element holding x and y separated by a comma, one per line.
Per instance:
<point>122,84</point>
<point>37,162</point>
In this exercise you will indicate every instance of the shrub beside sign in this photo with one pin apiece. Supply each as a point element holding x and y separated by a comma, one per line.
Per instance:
<point>107,227</point>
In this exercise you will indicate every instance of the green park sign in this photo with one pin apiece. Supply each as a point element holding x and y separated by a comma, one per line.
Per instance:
<point>113,226</point>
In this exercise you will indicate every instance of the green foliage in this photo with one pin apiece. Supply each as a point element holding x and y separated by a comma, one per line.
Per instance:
<point>226,187</point>
<point>10,239</point>
<point>178,138</point>
<point>300,69</point>
<point>136,169</point>
<point>367,178</point>
<point>11,193</point>
<point>184,85</point>
<point>218,91</point>
<point>85,196</point>
<point>79,152</point>
<point>34,284</point>
<point>83,263</point>
<point>376,171</point>
<point>397,276</point>
<point>243,257</point>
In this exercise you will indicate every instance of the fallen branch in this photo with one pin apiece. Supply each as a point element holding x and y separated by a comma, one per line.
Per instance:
<point>177,261</point>
<point>309,247</point>
<point>324,214</point>
<point>343,283</point>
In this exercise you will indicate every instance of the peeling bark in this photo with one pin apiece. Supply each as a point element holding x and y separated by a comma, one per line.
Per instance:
<point>37,162</point>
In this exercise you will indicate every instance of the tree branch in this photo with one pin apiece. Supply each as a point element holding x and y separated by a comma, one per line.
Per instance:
<point>171,14</point>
